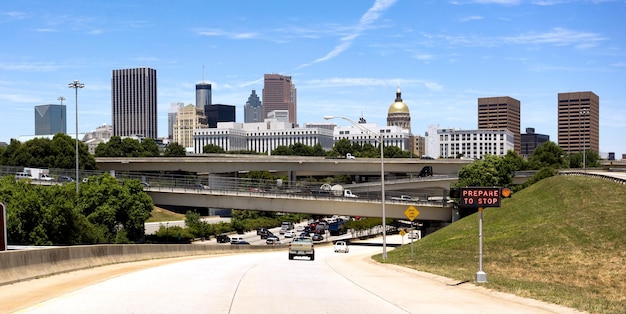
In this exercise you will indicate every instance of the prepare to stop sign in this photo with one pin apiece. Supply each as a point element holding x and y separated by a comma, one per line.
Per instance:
<point>480,197</point>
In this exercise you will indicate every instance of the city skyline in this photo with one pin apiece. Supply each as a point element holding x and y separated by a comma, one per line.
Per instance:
<point>345,58</point>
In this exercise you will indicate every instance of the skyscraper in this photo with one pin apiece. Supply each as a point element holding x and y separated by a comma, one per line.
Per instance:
<point>501,113</point>
<point>219,113</point>
<point>279,93</point>
<point>579,121</point>
<point>171,118</point>
<point>50,119</point>
<point>203,95</point>
<point>253,110</point>
<point>134,102</point>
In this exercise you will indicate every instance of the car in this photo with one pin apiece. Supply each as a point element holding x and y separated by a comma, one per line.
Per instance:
<point>266,234</point>
<point>283,229</point>
<point>235,239</point>
<point>318,237</point>
<point>290,234</point>
<point>242,242</point>
<point>273,237</point>
<point>261,230</point>
<point>341,247</point>
<point>272,241</point>
<point>415,234</point>
<point>404,198</point>
<point>300,228</point>
<point>304,235</point>
<point>65,179</point>
<point>202,187</point>
<point>222,238</point>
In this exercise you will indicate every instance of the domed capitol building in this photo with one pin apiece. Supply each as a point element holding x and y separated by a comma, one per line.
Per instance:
<point>398,114</point>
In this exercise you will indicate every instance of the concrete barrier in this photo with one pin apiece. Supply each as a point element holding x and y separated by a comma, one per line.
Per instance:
<point>22,265</point>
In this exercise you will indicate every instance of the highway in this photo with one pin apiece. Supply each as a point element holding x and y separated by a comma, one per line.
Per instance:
<point>270,283</point>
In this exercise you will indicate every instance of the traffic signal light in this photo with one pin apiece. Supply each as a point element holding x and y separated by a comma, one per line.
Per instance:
<point>455,193</point>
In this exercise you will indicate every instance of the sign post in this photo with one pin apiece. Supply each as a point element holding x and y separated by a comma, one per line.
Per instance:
<point>481,197</point>
<point>3,227</point>
<point>411,213</point>
<point>481,276</point>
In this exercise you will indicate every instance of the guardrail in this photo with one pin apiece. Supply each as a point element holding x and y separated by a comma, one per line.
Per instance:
<point>594,175</point>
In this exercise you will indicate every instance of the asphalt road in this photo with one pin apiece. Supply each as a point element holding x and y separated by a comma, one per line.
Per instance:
<point>270,283</point>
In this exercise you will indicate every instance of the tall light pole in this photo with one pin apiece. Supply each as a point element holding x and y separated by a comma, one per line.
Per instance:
<point>76,85</point>
<point>379,139</point>
<point>584,114</point>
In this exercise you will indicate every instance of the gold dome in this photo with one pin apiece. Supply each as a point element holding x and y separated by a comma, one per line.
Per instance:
<point>398,106</point>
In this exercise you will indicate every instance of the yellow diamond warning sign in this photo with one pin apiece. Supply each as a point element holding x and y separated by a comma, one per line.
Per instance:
<point>411,213</point>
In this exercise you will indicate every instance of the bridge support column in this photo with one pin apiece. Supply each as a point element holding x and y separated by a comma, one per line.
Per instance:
<point>292,178</point>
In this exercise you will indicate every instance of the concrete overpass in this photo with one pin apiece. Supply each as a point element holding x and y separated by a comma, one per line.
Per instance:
<point>298,165</point>
<point>297,203</point>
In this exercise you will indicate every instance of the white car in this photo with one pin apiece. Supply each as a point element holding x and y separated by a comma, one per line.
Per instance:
<point>341,247</point>
<point>300,228</point>
<point>290,234</point>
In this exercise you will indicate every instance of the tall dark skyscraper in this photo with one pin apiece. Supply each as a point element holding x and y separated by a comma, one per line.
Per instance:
<point>279,93</point>
<point>253,110</point>
<point>203,95</point>
<point>134,102</point>
<point>50,119</point>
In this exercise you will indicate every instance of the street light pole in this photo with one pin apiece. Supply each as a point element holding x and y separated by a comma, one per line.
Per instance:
<point>382,174</point>
<point>584,113</point>
<point>76,85</point>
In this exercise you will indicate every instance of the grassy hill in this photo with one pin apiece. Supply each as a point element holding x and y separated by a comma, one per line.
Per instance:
<point>562,240</point>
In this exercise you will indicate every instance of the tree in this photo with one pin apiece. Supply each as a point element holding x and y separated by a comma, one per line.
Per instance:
<point>489,171</point>
<point>547,154</point>
<point>60,152</point>
<point>174,150</point>
<point>150,148</point>
<point>517,162</point>
<point>282,151</point>
<point>342,147</point>
<point>211,148</point>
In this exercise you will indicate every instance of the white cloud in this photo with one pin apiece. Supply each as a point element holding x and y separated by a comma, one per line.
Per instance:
<point>221,33</point>
<point>346,41</point>
<point>471,18</point>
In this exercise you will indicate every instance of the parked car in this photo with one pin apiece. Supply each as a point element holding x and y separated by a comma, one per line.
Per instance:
<point>341,247</point>
<point>290,234</point>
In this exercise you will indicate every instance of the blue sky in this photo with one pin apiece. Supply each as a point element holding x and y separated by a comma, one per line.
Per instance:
<point>345,57</point>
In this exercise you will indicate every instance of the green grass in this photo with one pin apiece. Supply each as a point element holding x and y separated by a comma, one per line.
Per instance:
<point>561,240</point>
<point>159,214</point>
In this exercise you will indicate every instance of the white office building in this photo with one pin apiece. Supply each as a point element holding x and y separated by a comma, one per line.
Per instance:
<point>261,137</point>
<point>474,144</point>
<point>392,135</point>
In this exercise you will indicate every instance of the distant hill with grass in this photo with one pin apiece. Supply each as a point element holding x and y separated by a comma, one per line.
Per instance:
<point>561,240</point>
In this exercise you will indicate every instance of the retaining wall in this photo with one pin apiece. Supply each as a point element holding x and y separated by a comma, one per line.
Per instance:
<point>21,265</point>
